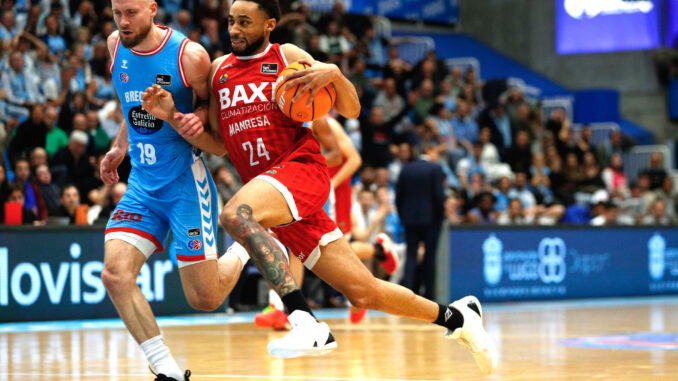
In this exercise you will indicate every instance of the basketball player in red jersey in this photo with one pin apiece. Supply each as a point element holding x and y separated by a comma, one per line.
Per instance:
<point>287,182</point>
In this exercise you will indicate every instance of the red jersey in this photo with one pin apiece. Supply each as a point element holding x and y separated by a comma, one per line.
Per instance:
<point>256,133</point>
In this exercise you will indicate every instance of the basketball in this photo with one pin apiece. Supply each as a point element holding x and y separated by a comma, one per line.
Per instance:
<point>322,103</point>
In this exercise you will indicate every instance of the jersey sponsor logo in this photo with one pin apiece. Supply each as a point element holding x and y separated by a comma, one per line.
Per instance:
<point>124,77</point>
<point>223,78</point>
<point>248,109</point>
<point>121,215</point>
<point>259,121</point>
<point>272,172</point>
<point>194,244</point>
<point>163,79</point>
<point>245,95</point>
<point>143,122</point>
<point>269,68</point>
<point>194,232</point>
<point>124,64</point>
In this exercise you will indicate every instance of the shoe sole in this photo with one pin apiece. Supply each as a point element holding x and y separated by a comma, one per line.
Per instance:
<point>291,353</point>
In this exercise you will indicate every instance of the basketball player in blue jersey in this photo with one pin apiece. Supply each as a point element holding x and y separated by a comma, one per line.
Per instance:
<point>169,186</point>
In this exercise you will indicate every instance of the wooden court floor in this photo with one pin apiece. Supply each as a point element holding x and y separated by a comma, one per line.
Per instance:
<point>528,337</point>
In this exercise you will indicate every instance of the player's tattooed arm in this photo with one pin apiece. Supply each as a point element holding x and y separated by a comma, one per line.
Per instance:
<point>264,251</point>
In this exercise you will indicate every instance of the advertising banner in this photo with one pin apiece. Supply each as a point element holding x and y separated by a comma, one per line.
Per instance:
<point>444,11</point>
<point>50,274</point>
<point>551,263</point>
<point>585,26</point>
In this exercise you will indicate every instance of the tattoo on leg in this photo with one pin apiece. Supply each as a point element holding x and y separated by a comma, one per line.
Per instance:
<point>264,251</point>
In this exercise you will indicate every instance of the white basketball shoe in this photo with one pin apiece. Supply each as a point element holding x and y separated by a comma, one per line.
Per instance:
<point>472,335</point>
<point>307,337</point>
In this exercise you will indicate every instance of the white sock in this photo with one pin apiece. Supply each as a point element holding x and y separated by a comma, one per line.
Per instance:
<point>275,301</point>
<point>158,354</point>
<point>239,250</point>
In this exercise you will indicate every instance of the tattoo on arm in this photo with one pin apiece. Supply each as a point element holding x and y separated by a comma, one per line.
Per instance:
<point>264,251</point>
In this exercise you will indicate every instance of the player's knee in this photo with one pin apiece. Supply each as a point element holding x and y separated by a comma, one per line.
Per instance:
<point>228,218</point>
<point>116,278</point>
<point>204,301</point>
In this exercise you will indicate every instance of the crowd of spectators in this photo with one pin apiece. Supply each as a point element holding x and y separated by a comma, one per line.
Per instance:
<point>503,160</point>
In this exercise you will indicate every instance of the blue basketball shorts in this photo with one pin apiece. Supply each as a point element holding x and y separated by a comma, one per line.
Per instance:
<point>187,206</point>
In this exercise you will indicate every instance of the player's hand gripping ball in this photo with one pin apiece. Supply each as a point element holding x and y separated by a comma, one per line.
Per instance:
<point>299,111</point>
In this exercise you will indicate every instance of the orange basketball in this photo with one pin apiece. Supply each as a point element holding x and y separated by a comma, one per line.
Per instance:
<point>322,103</point>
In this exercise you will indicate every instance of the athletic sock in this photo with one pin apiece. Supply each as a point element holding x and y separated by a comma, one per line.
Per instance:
<point>295,301</point>
<point>275,301</point>
<point>449,317</point>
<point>158,354</point>
<point>379,252</point>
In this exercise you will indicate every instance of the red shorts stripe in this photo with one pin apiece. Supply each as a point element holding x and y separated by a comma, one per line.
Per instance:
<point>150,237</point>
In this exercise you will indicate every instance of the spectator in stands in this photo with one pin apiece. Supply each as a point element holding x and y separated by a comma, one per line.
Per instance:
<point>20,84</point>
<point>658,214</point>
<point>182,22</point>
<point>502,193</point>
<point>490,156</point>
<point>519,156</point>
<point>111,116</point>
<point>483,213</point>
<point>583,142</point>
<point>521,121</point>
<point>539,178</point>
<point>614,178</point>
<point>398,69</point>
<point>389,100</point>
<point>97,136</point>
<point>101,88</point>
<point>211,39</point>
<point>646,193</point>
<point>425,100</point>
<point>513,215</point>
<point>75,164</point>
<point>668,194</point>
<point>104,201</point>
<point>50,192</point>
<point>420,203</point>
<point>83,71</point>
<point>333,42</point>
<point>376,55</point>
<point>454,206</point>
<point>609,215</point>
<point>227,184</point>
<point>84,16</point>
<point>521,192</point>
<point>403,156</point>
<point>426,70</point>
<point>18,194</point>
<point>74,103</point>
<point>592,180</point>
<point>471,164</point>
<point>56,138</point>
<point>465,128</point>
<point>30,134</point>
<point>574,174</point>
<point>378,134</point>
<point>53,37</point>
<point>656,171</point>
<point>8,27</point>
<point>495,117</point>
<point>69,201</point>
<point>556,121</point>
<point>38,157</point>
<point>362,83</point>
<point>633,206</point>
<point>515,101</point>
<point>314,49</point>
<point>454,78</point>
<point>33,199</point>
<point>618,143</point>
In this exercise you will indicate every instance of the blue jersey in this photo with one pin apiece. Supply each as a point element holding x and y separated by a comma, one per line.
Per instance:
<point>158,153</point>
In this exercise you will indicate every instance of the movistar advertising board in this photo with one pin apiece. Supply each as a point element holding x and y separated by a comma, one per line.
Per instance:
<point>555,263</point>
<point>50,274</point>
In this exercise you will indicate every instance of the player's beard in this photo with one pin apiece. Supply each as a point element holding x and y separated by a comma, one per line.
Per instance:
<point>249,48</point>
<point>130,42</point>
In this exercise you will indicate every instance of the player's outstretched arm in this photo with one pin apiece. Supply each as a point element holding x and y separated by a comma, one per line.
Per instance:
<point>318,76</point>
<point>159,103</point>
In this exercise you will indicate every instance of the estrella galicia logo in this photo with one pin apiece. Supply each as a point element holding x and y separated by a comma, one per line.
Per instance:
<point>656,247</point>
<point>492,250</point>
<point>143,122</point>
<point>163,79</point>
<point>124,77</point>
<point>269,68</point>
<point>552,267</point>
<point>194,244</point>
